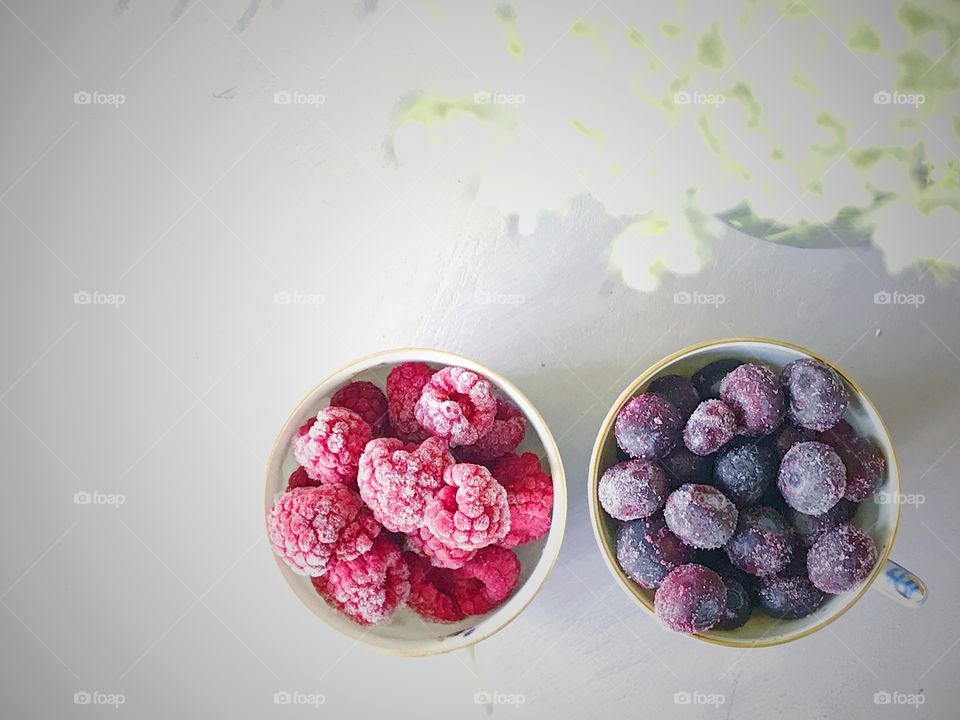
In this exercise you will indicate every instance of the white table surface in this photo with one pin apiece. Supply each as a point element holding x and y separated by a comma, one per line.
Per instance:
<point>199,198</point>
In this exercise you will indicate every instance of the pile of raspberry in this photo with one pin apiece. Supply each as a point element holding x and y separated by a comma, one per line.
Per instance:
<point>412,498</point>
<point>739,492</point>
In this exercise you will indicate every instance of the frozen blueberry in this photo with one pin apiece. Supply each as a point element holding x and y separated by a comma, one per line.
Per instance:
<point>739,605</point>
<point>817,397</point>
<point>754,394</point>
<point>790,596</point>
<point>841,559</point>
<point>764,542</point>
<point>707,380</point>
<point>633,489</point>
<point>812,477</point>
<point>744,471</point>
<point>700,515</point>
<point>718,561</point>
<point>648,426</point>
<point>862,458</point>
<point>691,598</point>
<point>677,390</point>
<point>682,466</point>
<point>810,527</point>
<point>711,426</point>
<point>789,435</point>
<point>647,550</point>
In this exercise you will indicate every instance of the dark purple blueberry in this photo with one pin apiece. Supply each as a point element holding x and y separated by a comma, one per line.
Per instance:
<point>754,394</point>
<point>647,550</point>
<point>700,515</point>
<point>739,605</point>
<point>745,470</point>
<point>863,459</point>
<point>841,559</point>
<point>633,489</point>
<point>789,435</point>
<point>711,426</point>
<point>677,390</point>
<point>691,598</point>
<point>682,466</point>
<point>718,561</point>
<point>764,542</point>
<point>707,380</point>
<point>648,427</point>
<point>816,395</point>
<point>810,527</point>
<point>789,596</point>
<point>812,477</point>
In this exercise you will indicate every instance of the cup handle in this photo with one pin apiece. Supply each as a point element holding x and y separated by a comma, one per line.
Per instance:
<point>897,582</point>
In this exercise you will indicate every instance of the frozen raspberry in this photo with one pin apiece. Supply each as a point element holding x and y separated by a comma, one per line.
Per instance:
<point>404,385</point>
<point>457,405</point>
<point>431,591</point>
<point>745,470</point>
<point>789,435</point>
<point>397,480</point>
<point>707,380</point>
<point>810,527</point>
<point>633,489</point>
<point>677,390</point>
<point>299,478</point>
<point>841,559</point>
<point>647,550</point>
<point>812,477</point>
<point>711,426</point>
<point>700,515</point>
<point>509,427</point>
<point>754,394</point>
<point>311,525</point>
<point>692,598</point>
<point>789,596</point>
<point>764,543</point>
<point>486,580</point>
<point>423,543</point>
<point>369,588</point>
<point>529,497</point>
<point>648,427</point>
<point>739,605</point>
<point>683,466</point>
<point>816,394</point>
<point>367,401</point>
<point>330,448</point>
<point>863,460</point>
<point>470,511</point>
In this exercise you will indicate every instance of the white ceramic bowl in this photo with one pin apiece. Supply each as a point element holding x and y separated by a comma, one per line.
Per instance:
<point>407,633</point>
<point>877,516</point>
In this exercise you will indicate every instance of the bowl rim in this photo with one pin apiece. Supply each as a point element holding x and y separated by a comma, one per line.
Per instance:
<point>594,474</point>
<point>550,447</point>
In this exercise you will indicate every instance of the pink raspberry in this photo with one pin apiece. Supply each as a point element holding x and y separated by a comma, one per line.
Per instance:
<point>397,480</point>
<point>330,447</point>
<point>509,427</point>
<point>404,385</point>
<point>367,401</point>
<point>486,581</point>
<point>431,591</point>
<point>471,511</point>
<point>309,526</point>
<point>457,405</point>
<point>529,497</point>
<point>299,478</point>
<point>424,543</point>
<point>369,588</point>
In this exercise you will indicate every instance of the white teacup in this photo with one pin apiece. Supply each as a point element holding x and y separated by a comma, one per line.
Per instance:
<point>878,516</point>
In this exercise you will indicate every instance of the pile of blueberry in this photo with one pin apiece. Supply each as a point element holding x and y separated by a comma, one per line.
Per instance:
<point>736,491</point>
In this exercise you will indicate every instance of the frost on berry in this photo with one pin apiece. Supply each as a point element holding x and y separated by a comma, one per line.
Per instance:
<point>425,544</point>
<point>509,427</point>
<point>458,405</point>
<point>329,448</point>
<point>700,515</point>
<point>486,580</point>
<point>529,497</point>
<point>711,426</point>
<point>812,477</point>
<point>841,559</point>
<point>648,426</point>
<point>470,511</point>
<point>404,385</point>
<point>647,550</point>
<point>763,544</point>
<point>817,397</point>
<point>754,394</point>
<point>633,489</point>
<point>692,598</point>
